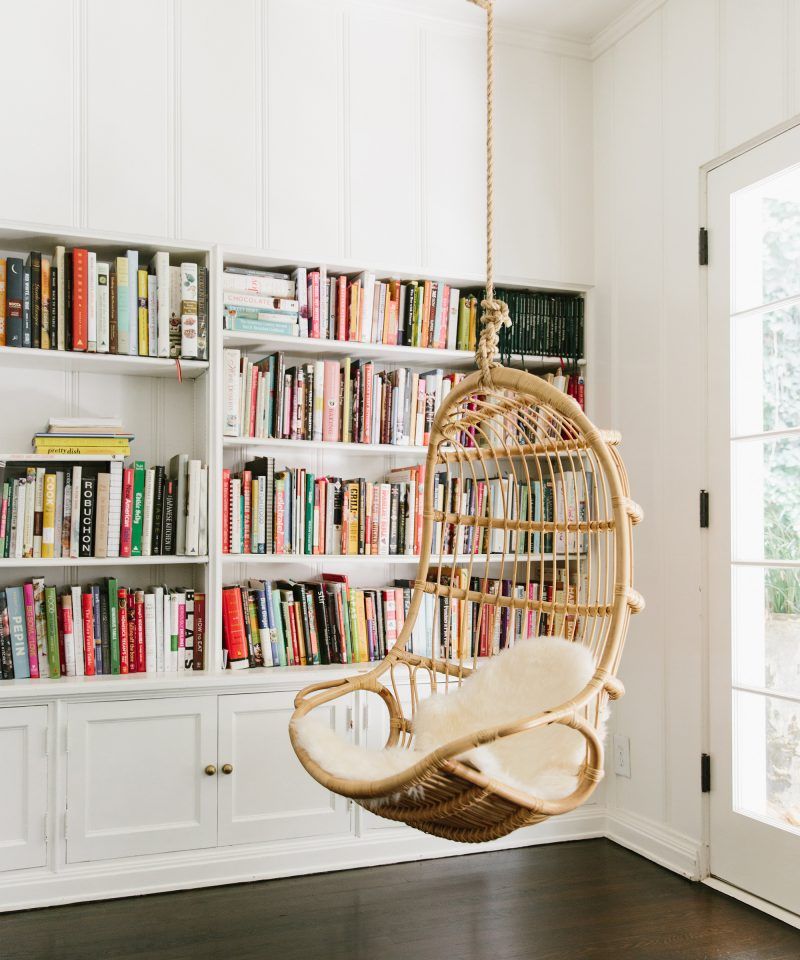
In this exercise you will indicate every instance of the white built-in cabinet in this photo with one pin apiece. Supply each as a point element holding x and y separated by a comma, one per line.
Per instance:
<point>263,792</point>
<point>23,787</point>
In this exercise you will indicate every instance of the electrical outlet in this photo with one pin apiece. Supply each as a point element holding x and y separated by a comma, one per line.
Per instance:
<point>622,756</point>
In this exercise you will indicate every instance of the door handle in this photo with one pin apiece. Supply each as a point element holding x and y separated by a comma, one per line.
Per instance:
<point>227,768</point>
<point>210,770</point>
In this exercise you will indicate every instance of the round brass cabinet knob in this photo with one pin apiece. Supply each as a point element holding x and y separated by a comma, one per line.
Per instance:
<point>210,770</point>
<point>227,768</point>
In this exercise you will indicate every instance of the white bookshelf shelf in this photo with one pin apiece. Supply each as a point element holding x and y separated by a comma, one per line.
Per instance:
<point>121,562</point>
<point>384,449</point>
<point>423,357</point>
<point>108,364</point>
<point>59,457</point>
<point>278,559</point>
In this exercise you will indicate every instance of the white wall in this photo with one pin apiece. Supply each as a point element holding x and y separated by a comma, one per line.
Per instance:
<point>335,129</point>
<point>694,79</point>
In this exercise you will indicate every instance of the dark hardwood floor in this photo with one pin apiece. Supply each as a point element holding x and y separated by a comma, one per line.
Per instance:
<point>579,901</point>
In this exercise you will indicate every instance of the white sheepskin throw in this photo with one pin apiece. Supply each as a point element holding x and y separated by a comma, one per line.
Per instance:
<point>532,676</point>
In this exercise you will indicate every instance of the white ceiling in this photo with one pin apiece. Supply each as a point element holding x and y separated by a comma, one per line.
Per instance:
<point>576,19</point>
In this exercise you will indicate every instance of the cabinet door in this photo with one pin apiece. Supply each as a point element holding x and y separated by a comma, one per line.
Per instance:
<point>23,787</point>
<point>268,795</point>
<point>136,779</point>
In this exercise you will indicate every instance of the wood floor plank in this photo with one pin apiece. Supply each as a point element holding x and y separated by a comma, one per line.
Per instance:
<point>589,900</point>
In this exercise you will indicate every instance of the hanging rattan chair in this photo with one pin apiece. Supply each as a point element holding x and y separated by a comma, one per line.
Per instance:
<point>569,566</point>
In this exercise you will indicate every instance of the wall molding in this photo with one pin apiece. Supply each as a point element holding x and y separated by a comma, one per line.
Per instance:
<point>657,842</point>
<point>623,25</point>
<point>744,897</point>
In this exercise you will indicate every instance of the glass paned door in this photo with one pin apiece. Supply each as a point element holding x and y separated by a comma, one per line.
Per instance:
<point>754,546</point>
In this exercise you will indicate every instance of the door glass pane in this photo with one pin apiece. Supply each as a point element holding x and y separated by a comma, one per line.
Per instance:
<point>766,628</point>
<point>766,733</point>
<point>765,477</point>
<point>766,241</point>
<point>765,371</point>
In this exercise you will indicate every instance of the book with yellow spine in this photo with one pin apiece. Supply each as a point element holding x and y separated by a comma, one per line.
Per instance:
<point>144,320</point>
<point>49,515</point>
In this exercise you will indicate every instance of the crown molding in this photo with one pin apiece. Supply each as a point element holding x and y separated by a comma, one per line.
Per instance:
<point>623,25</point>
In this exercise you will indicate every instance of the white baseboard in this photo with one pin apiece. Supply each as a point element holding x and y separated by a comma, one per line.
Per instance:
<point>103,880</point>
<point>744,897</point>
<point>669,848</point>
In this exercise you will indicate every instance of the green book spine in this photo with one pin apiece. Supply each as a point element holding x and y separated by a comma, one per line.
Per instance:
<point>113,623</point>
<point>309,531</point>
<point>137,523</point>
<point>277,619</point>
<point>51,615</point>
<point>350,624</point>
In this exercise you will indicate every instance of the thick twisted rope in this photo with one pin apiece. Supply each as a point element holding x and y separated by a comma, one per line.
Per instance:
<point>495,312</point>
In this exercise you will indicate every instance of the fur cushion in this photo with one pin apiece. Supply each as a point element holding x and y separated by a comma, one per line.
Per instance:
<point>532,676</point>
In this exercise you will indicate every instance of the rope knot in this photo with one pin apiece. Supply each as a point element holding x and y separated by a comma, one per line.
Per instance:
<point>494,316</point>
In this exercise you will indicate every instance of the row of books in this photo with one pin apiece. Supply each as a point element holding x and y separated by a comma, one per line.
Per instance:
<point>542,324</point>
<point>309,303</point>
<point>104,509</point>
<point>296,623</point>
<point>73,300</point>
<point>292,511</point>
<point>288,623</point>
<point>73,436</point>
<point>351,402</point>
<point>103,628</point>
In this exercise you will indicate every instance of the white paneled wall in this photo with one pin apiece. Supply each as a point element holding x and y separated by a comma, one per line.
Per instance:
<point>691,81</point>
<point>325,129</point>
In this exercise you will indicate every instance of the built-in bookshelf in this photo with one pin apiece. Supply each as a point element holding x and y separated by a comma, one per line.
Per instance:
<point>174,404</point>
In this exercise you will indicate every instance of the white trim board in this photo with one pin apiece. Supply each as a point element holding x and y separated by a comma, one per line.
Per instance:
<point>756,902</point>
<point>668,848</point>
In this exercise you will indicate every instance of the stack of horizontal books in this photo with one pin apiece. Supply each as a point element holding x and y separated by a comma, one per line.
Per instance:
<point>67,436</point>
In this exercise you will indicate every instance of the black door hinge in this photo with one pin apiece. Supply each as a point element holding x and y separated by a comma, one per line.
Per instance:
<point>704,508</point>
<point>705,773</point>
<point>702,247</point>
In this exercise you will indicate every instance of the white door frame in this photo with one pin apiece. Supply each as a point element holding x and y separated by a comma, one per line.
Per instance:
<point>703,292</point>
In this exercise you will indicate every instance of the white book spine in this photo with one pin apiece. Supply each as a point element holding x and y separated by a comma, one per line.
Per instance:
<point>300,276</point>
<point>262,286</point>
<point>150,632</point>
<point>103,306</point>
<point>318,399</point>
<point>159,266</point>
<point>114,508</point>
<point>58,263</point>
<point>452,319</point>
<point>74,529</point>
<point>133,303</point>
<point>231,378</point>
<point>174,604</point>
<point>152,316</point>
<point>91,301</point>
<point>27,526</point>
<point>368,294</point>
<point>262,512</point>
<point>77,630</point>
<point>59,518</point>
<point>193,510</point>
<point>202,528</point>
<point>236,515</point>
<point>158,593</point>
<point>189,309</point>
<point>38,509</point>
<point>147,517</point>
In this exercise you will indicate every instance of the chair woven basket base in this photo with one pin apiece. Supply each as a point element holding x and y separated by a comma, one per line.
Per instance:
<point>517,427</point>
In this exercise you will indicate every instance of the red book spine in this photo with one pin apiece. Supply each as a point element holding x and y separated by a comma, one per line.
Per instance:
<point>130,606</point>
<point>80,303</point>
<point>126,521</point>
<point>30,629</point>
<point>366,423</point>
<point>199,631</point>
<point>247,496</point>
<point>141,664</point>
<point>62,652</point>
<point>226,511</point>
<point>87,613</point>
<point>233,624</point>
<point>293,631</point>
<point>341,308</point>
<point>442,344</point>
<point>314,279</point>
<point>122,626</point>
<point>251,426</point>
